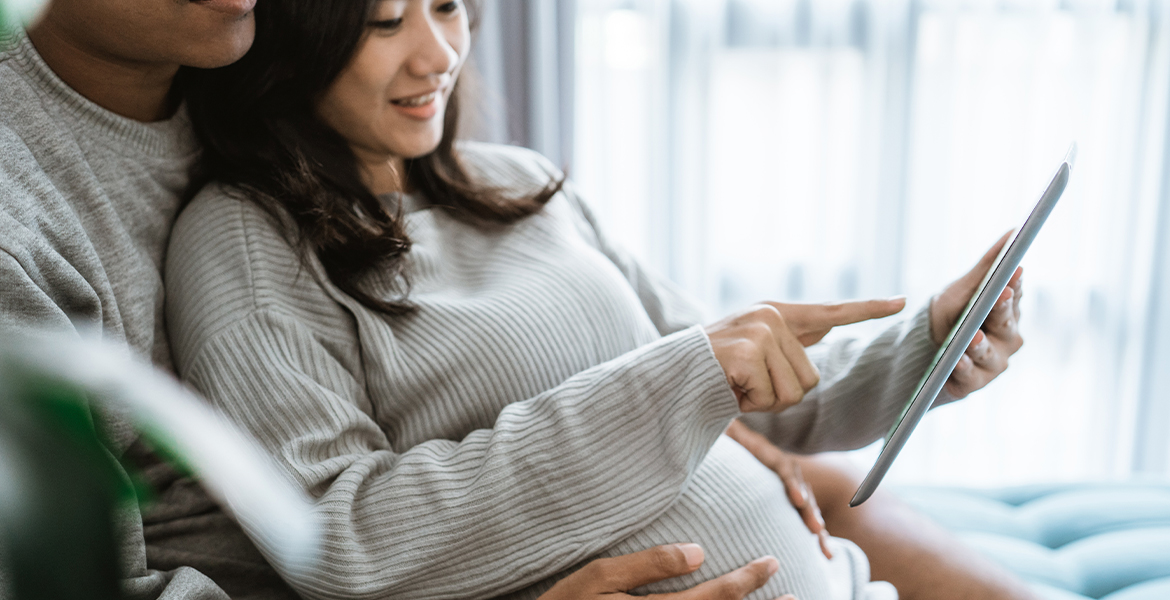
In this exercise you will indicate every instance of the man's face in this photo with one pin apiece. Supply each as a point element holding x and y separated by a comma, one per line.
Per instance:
<point>197,33</point>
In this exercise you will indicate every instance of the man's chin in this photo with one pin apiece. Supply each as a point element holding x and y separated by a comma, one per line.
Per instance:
<point>224,49</point>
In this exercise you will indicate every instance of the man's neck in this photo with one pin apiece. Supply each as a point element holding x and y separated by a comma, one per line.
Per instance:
<point>139,91</point>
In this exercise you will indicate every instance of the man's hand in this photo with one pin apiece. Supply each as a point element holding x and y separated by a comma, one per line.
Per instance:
<point>785,466</point>
<point>987,356</point>
<point>611,578</point>
<point>761,349</point>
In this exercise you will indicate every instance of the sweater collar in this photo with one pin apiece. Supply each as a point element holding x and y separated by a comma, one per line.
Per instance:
<point>170,138</point>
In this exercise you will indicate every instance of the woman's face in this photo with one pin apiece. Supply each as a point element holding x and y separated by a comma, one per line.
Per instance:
<point>390,100</point>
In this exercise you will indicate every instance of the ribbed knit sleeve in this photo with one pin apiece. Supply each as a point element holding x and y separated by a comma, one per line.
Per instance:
<point>864,386</point>
<point>556,478</point>
<point>865,383</point>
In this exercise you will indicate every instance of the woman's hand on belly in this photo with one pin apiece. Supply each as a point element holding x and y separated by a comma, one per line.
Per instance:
<point>786,467</point>
<point>611,578</point>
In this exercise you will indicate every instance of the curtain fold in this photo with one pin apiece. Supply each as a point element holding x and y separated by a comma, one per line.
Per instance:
<point>522,63</point>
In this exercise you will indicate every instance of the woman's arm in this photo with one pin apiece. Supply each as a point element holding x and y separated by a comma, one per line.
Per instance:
<point>864,386</point>
<point>558,477</point>
<point>870,384</point>
<point>862,382</point>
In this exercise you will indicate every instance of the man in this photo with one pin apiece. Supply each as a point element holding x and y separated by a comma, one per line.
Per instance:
<point>94,159</point>
<point>94,153</point>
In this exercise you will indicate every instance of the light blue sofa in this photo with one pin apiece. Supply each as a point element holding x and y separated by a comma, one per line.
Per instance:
<point>1073,541</point>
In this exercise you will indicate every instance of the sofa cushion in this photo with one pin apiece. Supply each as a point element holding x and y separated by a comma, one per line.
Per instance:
<point>1071,541</point>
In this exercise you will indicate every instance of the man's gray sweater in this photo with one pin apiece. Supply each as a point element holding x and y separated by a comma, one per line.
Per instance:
<point>87,200</point>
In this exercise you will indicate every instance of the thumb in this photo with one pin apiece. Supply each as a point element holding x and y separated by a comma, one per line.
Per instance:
<point>976,274</point>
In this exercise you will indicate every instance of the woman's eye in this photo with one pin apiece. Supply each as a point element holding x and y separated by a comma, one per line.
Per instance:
<point>448,7</point>
<point>386,24</point>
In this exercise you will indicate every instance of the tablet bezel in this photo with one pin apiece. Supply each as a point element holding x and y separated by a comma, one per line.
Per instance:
<point>964,330</point>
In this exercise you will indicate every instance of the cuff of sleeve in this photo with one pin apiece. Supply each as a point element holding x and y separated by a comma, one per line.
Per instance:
<point>917,336</point>
<point>921,328</point>
<point>712,371</point>
<point>914,353</point>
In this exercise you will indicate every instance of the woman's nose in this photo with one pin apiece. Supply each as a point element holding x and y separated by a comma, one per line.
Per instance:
<point>433,53</point>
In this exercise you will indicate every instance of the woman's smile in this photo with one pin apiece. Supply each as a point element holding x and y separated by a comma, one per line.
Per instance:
<point>390,102</point>
<point>422,107</point>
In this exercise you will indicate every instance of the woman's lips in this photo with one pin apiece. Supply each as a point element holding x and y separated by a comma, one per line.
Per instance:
<point>236,8</point>
<point>422,107</point>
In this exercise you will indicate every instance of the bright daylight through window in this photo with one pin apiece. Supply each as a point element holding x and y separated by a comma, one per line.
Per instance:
<point>816,151</point>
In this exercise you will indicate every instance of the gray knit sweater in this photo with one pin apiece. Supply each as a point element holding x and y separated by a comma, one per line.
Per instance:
<point>87,199</point>
<point>549,402</point>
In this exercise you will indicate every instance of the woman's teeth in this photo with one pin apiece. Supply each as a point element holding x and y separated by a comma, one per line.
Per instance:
<point>423,100</point>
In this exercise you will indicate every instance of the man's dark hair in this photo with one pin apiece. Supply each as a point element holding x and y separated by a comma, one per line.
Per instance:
<point>261,135</point>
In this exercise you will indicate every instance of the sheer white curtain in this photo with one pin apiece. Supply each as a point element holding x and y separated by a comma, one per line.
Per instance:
<point>813,151</point>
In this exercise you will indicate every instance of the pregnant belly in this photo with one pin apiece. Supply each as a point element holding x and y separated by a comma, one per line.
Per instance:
<point>738,511</point>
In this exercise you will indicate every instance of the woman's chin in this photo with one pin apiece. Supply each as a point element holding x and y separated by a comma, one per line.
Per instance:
<point>411,139</point>
<point>419,151</point>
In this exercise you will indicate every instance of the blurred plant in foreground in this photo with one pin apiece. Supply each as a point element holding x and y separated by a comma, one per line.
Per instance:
<point>14,13</point>
<point>60,486</point>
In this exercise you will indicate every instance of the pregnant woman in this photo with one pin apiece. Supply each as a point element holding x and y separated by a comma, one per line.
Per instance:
<point>436,341</point>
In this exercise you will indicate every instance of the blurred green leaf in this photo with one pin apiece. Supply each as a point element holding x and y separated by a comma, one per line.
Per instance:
<point>14,13</point>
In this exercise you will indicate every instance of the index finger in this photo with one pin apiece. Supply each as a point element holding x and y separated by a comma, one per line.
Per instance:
<point>817,317</point>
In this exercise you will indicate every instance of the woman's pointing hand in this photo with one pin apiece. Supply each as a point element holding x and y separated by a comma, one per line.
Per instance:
<point>761,349</point>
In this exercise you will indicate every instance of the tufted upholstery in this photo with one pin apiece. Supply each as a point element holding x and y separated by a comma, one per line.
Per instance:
<point>1073,542</point>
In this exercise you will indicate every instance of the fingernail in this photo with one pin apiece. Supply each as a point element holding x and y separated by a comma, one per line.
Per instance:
<point>693,554</point>
<point>820,519</point>
<point>773,564</point>
<point>804,492</point>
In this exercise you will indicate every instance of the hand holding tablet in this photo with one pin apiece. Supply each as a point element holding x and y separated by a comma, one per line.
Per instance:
<point>988,296</point>
<point>999,337</point>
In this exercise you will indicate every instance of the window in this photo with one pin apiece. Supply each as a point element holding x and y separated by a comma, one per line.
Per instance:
<point>816,151</point>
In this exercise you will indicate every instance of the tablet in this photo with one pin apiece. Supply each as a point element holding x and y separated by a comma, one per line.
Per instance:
<point>968,323</point>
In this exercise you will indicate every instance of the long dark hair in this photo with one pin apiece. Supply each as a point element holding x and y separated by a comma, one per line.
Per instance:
<point>261,136</point>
